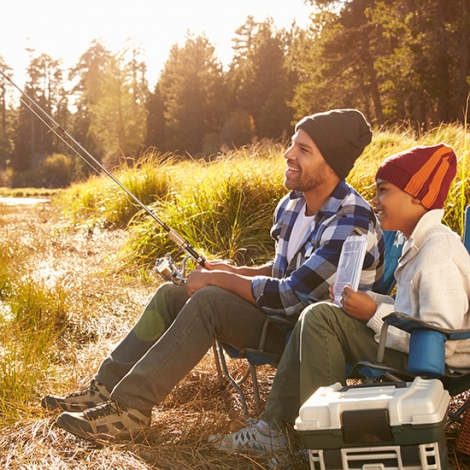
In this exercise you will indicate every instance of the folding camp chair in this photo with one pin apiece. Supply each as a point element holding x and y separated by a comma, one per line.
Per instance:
<point>427,365</point>
<point>256,357</point>
<point>428,360</point>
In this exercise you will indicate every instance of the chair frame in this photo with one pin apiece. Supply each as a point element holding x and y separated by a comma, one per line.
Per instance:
<point>271,359</point>
<point>219,350</point>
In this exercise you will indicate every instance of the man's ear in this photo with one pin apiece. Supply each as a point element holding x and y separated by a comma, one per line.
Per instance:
<point>330,170</point>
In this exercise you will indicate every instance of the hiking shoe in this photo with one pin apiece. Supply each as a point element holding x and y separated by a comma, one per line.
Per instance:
<point>107,419</point>
<point>251,439</point>
<point>91,396</point>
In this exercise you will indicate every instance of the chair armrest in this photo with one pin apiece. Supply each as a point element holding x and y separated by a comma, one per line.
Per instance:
<point>407,323</point>
<point>276,320</point>
<point>426,355</point>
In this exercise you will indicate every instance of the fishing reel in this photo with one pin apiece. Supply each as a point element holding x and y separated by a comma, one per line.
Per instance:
<point>169,271</point>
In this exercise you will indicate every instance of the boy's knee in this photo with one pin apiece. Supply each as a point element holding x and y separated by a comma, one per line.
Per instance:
<point>317,315</point>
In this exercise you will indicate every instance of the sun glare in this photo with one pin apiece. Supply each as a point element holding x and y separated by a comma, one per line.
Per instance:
<point>64,30</point>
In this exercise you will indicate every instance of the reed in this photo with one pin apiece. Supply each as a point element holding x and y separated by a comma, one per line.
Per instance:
<point>100,200</point>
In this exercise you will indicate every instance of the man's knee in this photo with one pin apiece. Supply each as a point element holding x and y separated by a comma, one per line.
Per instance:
<point>209,300</point>
<point>161,311</point>
<point>167,291</point>
<point>169,298</point>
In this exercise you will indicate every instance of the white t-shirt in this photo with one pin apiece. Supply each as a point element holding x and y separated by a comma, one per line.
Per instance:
<point>302,224</point>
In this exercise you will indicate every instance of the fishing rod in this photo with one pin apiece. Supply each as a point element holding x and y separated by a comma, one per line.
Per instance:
<point>165,267</point>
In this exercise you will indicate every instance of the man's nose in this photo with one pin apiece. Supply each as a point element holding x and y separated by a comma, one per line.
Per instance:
<point>288,153</point>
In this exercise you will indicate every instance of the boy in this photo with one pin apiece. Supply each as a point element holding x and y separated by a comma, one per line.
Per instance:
<point>433,284</point>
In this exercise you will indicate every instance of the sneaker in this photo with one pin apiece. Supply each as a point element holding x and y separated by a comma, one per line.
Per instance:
<point>93,395</point>
<point>110,419</point>
<point>252,439</point>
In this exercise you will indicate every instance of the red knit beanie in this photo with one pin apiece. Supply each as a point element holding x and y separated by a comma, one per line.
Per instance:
<point>423,172</point>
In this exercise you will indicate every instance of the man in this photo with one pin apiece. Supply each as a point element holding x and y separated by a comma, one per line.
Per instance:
<point>230,303</point>
<point>433,284</point>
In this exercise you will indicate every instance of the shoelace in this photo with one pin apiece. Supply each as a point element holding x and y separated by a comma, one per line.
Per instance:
<point>247,435</point>
<point>251,425</point>
<point>103,410</point>
<point>91,389</point>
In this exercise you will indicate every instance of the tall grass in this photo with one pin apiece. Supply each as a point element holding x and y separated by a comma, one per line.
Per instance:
<point>28,339</point>
<point>32,318</point>
<point>100,200</point>
<point>224,208</point>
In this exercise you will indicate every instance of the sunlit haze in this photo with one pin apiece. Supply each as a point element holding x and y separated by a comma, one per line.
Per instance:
<point>65,29</point>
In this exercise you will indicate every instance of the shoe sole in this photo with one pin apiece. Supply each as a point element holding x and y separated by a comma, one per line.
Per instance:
<point>235,448</point>
<point>252,447</point>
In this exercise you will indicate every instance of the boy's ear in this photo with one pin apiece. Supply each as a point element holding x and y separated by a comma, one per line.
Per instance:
<point>417,201</point>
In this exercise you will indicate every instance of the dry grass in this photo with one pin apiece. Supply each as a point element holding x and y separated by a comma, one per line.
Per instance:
<point>103,306</point>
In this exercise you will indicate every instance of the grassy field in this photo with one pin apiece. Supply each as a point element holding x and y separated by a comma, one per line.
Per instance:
<point>74,276</point>
<point>224,207</point>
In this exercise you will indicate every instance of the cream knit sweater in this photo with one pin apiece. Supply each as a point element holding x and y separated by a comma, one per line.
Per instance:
<point>433,284</point>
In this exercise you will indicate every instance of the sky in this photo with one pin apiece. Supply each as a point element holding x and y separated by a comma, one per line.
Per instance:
<point>64,29</point>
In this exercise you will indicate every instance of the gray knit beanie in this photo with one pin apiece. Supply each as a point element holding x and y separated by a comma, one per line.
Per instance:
<point>340,134</point>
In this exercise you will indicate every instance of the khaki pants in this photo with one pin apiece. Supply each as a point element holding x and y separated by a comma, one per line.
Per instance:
<point>324,340</point>
<point>173,335</point>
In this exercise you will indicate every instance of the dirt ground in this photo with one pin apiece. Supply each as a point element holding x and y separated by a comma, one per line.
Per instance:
<point>107,303</point>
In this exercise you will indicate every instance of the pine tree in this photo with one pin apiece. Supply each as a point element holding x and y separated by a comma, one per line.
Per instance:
<point>33,141</point>
<point>260,79</point>
<point>191,87</point>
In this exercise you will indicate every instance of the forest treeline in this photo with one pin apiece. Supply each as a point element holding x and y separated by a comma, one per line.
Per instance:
<point>398,61</point>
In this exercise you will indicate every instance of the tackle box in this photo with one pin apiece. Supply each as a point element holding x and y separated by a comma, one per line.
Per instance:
<point>396,426</point>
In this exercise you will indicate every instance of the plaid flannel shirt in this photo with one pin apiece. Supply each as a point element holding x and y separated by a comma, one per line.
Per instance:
<point>313,268</point>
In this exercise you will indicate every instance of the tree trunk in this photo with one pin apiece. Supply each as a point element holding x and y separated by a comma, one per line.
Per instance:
<point>462,111</point>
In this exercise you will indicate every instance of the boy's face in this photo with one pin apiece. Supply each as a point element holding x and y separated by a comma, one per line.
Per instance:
<point>396,209</point>
<point>306,167</point>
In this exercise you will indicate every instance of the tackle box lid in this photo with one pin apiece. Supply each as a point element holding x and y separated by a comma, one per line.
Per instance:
<point>423,401</point>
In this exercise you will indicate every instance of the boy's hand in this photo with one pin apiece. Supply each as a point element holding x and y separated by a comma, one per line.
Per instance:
<point>358,304</point>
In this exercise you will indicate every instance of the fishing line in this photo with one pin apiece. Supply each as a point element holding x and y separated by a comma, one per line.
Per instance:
<point>164,266</point>
<point>59,135</point>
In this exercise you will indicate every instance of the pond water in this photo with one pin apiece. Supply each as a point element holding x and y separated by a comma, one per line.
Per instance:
<point>22,201</point>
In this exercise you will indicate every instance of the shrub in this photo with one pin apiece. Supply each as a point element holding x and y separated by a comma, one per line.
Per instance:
<point>56,171</point>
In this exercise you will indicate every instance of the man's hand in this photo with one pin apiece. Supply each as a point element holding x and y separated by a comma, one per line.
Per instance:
<point>219,265</point>
<point>225,278</point>
<point>198,279</point>
<point>358,304</point>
